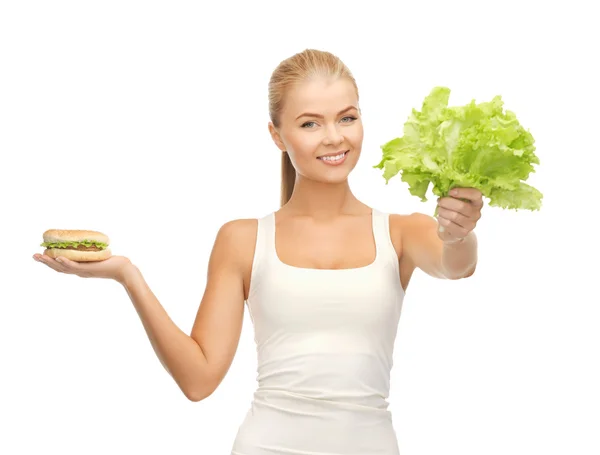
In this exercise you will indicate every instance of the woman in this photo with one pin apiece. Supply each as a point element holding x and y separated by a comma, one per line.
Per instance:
<point>324,278</point>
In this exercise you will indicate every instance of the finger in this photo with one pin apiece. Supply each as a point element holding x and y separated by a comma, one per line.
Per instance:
<point>51,262</point>
<point>473,195</point>
<point>457,218</point>
<point>456,205</point>
<point>452,228</point>
<point>67,263</point>
<point>74,267</point>
<point>81,269</point>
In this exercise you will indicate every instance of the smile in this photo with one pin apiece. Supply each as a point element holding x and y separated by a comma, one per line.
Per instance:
<point>334,160</point>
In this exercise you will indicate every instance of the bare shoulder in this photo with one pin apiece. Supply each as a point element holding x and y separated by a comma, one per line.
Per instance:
<point>411,221</point>
<point>238,236</point>
<point>410,231</point>
<point>408,224</point>
<point>235,244</point>
<point>238,230</point>
<point>421,245</point>
<point>406,233</point>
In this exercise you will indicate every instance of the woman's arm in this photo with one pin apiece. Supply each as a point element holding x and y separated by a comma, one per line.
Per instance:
<point>446,247</point>
<point>199,362</point>
<point>422,247</point>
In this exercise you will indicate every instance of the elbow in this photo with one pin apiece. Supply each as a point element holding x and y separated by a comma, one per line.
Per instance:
<point>201,390</point>
<point>460,275</point>
<point>471,271</point>
<point>197,395</point>
<point>195,398</point>
<point>202,386</point>
<point>468,273</point>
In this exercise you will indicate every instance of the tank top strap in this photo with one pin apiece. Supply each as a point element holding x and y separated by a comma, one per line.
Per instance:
<point>262,249</point>
<point>383,239</point>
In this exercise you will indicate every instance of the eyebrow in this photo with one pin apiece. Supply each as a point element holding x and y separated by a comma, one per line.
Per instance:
<point>308,114</point>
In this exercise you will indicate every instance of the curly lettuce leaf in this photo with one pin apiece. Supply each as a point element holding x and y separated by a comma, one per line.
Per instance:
<point>87,243</point>
<point>476,145</point>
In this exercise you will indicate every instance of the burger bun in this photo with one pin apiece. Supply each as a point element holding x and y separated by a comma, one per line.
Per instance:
<point>78,255</point>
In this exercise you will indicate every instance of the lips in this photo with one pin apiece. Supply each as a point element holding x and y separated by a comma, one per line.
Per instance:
<point>331,155</point>
<point>334,159</point>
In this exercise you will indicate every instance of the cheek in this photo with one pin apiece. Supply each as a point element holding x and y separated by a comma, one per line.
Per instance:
<point>301,155</point>
<point>357,136</point>
<point>354,136</point>
<point>303,147</point>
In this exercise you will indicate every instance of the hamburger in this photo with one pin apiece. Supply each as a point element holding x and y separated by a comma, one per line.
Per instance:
<point>77,245</point>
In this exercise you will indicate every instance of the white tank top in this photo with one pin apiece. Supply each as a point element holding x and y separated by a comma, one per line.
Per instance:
<point>324,342</point>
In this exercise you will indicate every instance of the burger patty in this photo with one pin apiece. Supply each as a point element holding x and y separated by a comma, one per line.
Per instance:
<point>81,248</point>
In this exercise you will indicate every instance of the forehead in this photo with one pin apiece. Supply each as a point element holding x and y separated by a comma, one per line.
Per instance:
<point>325,96</point>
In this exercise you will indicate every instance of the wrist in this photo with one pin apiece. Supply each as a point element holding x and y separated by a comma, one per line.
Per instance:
<point>454,242</point>
<point>460,242</point>
<point>127,275</point>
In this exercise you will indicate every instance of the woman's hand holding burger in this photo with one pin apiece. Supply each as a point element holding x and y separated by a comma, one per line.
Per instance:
<point>82,253</point>
<point>115,267</point>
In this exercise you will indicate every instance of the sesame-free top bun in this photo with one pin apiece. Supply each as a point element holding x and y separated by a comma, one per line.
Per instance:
<point>74,235</point>
<point>78,255</point>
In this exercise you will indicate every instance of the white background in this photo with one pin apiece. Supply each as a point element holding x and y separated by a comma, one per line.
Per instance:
<point>148,121</point>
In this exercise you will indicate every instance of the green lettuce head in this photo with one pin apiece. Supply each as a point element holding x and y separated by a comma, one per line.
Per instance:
<point>472,146</point>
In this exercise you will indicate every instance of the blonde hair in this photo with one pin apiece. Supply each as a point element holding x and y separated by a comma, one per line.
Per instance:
<point>303,66</point>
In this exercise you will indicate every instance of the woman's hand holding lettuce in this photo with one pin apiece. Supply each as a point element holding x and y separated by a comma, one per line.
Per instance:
<point>472,146</point>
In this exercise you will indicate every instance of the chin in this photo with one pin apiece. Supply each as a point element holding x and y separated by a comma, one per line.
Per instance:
<point>337,175</point>
<point>340,177</point>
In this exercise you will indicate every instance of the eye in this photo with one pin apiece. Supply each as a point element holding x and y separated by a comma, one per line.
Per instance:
<point>304,125</point>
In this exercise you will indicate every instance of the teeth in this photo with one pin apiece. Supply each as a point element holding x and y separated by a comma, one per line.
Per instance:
<point>333,158</point>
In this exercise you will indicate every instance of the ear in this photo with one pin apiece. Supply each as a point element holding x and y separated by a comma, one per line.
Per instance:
<point>276,137</point>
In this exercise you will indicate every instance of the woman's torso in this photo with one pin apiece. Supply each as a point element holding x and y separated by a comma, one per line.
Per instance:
<point>325,306</point>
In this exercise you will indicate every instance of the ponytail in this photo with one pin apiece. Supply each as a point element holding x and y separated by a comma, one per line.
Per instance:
<point>288,178</point>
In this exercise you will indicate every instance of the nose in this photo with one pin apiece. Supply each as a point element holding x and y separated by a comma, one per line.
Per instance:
<point>333,136</point>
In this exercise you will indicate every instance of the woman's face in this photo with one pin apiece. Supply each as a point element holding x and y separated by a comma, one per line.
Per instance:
<point>320,118</point>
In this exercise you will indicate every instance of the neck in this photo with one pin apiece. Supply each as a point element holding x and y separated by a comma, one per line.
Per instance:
<point>322,200</point>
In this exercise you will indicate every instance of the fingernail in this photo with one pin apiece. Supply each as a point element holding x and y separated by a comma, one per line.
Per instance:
<point>58,260</point>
